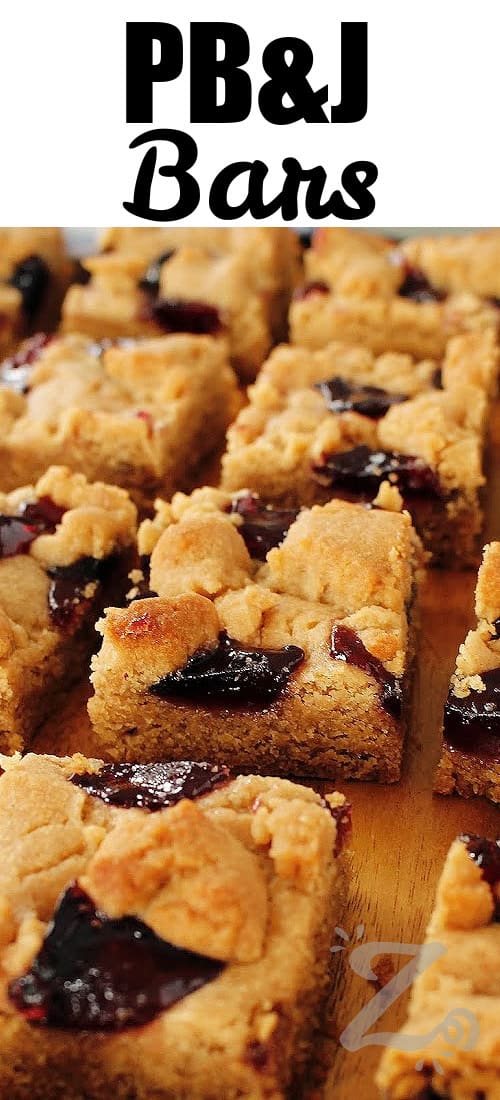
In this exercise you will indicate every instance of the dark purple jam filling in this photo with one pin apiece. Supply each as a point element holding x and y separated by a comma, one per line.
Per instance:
<point>361,472</point>
<point>437,379</point>
<point>472,724</point>
<point>174,315</point>
<point>31,278</point>
<point>496,628</point>
<point>67,597</point>
<point>306,291</point>
<point>417,286</point>
<point>39,517</point>
<point>347,646</point>
<point>343,396</point>
<point>232,674</point>
<point>94,973</point>
<point>486,855</point>
<point>15,372</point>
<point>81,275</point>
<point>262,527</point>
<point>306,239</point>
<point>150,282</point>
<point>143,591</point>
<point>152,786</point>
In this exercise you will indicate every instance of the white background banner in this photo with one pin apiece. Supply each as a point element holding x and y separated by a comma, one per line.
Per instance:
<point>431,126</point>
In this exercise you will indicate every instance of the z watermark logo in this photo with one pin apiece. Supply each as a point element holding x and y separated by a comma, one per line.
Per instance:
<point>458,1029</point>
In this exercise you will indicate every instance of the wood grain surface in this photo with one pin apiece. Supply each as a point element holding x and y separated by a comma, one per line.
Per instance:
<point>401,833</point>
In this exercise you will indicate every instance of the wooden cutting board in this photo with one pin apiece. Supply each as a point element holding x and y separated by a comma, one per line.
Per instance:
<point>401,833</point>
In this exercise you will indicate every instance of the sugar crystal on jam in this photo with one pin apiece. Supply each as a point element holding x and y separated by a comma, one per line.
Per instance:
<point>262,527</point>
<point>361,471</point>
<point>232,674</point>
<point>151,786</point>
<point>343,396</point>
<point>472,722</point>
<point>93,973</point>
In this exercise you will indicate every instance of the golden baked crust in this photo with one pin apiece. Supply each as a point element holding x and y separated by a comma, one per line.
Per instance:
<point>456,263</point>
<point>457,995</point>
<point>246,274</point>
<point>365,265</point>
<point>330,720</point>
<point>36,655</point>
<point>139,414</point>
<point>469,772</point>
<point>286,429</point>
<point>251,869</point>
<point>16,246</point>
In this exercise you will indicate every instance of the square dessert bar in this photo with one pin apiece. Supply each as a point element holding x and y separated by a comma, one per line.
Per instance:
<point>470,760</point>
<point>366,289</point>
<point>274,640</point>
<point>141,414</point>
<point>232,283</point>
<point>34,273</point>
<point>65,549</point>
<point>342,422</point>
<point>164,930</point>
<point>455,1003</point>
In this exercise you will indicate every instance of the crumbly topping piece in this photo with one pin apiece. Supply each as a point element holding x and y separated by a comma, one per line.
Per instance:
<point>199,873</point>
<point>455,263</point>
<point>353,264</point>
<point>187,878</point>
<point>480,652</point>
<point>421,329</point>
<point>288,426</point>
<point>99,519</point>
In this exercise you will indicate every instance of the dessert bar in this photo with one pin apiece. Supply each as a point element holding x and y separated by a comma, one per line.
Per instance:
<point>65,549</point>
<point>342,422</point>
<point>234,284</point>
<point>34,272</point>
<point>470,760</point>
<point>164,930</point>
<point>274,640</point>
<point>366,289</point>
<point>449,1044</point>
<point>141,414</point>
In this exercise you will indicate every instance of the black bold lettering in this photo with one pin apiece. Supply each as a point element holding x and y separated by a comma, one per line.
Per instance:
<point>142,73</point>
<point>189,191</point>
<point>354,68</point>
<point>205,69</point>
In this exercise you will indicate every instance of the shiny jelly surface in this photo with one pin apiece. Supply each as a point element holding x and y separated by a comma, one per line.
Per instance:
<point>343,396</point>
<point>95,973</point>
<point>151,786</point>
<point>232,674</point>
<point>361,472</point>
<point>472,723</point>
<point>262,527</point>
<point>347,646</point>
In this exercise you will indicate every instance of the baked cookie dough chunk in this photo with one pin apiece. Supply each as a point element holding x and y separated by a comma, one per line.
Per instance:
<point>34,273</point>
<point>234,284</point>
<point>366,289</point>
<point>278,641</point>
<point>342,422</point>
<point>455,1001</point>
<point>141,414</point>
<point>470,761</point>
<point>65,547</point>
<point>164,930</point>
